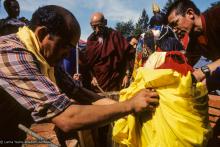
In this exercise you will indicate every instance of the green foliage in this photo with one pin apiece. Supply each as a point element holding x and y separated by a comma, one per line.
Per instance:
<point>126,28</point>
<point>142,24</point>
<point>217,3</point>
<point>167,5</point>
<point>138,30</point>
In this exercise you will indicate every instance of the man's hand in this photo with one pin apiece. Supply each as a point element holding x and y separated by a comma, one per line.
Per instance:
<point>94,81</point>
<point>76,76</point>
<point>125,81</point>
<point>145,99</point>
<point>199,75</point>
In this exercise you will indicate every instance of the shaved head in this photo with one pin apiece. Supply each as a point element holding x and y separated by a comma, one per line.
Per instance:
<point>98,22</point>
<point>97,18</point>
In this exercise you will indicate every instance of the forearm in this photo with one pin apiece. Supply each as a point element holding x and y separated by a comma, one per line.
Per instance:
<point>200,73</point>
<point>104,101</point>
<point>212,66</point>
<point>82,117</point>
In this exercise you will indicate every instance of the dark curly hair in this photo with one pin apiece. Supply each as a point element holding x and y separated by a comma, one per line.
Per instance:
<point>58,20</point>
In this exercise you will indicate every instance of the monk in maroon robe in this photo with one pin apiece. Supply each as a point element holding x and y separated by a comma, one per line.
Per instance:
<point>107,53</point>
<point>204,30</point>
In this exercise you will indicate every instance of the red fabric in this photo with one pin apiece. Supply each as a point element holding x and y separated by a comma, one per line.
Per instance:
<point>202,39</point>
<point>158,49</point>
<point>177,61</point>
<point>108,59</point>
<point>185,41</point>
<point>203,23</point>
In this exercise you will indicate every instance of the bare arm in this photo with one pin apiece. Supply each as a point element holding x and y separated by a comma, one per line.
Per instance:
<point>104,101</point>
<point>85,116</point>
<point>81,117</point>
<point>212,66</point>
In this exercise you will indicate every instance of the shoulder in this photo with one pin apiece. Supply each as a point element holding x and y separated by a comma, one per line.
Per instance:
<point>10,42</point>
<point>92,36</point>
<point>11,46</point>
<point>212,12</point>
<point>24,20</point>
<point>114,32</point>
<point>111,30</point>
<point>2,22</point>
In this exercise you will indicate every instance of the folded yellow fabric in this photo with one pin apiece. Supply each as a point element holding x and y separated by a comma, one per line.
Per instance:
<point>180,120</point>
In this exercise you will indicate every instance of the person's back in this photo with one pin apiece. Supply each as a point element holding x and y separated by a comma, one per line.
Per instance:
<point>11,24</point>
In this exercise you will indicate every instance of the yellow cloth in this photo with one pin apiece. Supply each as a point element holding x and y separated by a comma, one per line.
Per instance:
<point>155,60</point>
<point>137,64</point>
<point>31,42</point>
<point>180,120</point>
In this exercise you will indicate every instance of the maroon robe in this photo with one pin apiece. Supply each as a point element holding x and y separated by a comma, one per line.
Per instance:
<point>208,43</point>
<point>107,60</point>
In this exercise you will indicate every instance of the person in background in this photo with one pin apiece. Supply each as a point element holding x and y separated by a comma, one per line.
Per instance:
<point>12,22</point>
<point>69,63</point>
<point>133,41</point>
<point>108,54</point>
<point>147,41</point>
<point>107,51</point>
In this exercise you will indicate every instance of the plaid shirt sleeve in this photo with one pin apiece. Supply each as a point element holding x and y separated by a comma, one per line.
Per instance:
<point>20,76</point>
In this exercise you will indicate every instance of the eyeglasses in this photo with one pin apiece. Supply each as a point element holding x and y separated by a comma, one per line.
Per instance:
<point>97,25</point>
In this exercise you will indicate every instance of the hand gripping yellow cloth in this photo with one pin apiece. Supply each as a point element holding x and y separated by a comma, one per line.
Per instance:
<point>180,120</point>
<point>31,42</point>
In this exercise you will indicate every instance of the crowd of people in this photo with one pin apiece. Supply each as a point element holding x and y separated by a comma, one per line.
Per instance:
<point>35,86</point>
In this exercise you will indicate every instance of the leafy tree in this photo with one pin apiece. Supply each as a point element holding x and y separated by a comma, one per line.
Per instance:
<point>142,24</point>
<point>126,28</point>
<point>167,5</point>
<point>217,3</point>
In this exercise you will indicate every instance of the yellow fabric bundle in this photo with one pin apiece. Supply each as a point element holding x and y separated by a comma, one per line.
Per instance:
<point>180,120</point>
